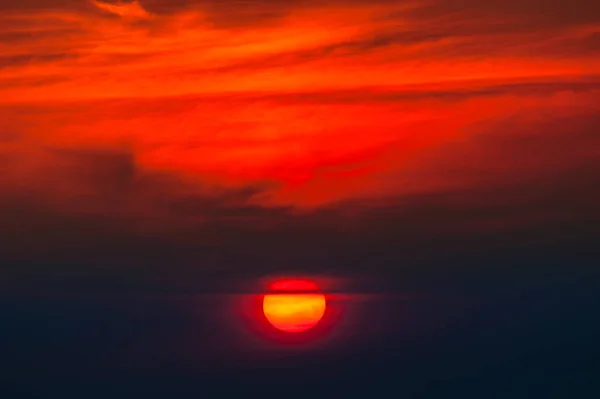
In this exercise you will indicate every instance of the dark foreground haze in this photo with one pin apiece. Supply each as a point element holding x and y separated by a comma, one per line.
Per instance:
<point>513,337</point>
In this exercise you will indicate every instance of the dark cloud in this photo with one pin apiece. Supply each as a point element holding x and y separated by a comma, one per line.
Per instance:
<point>535,14</point>
<point>229,13</point>
<point>479,89</point>
<point>469,13</point>
<point>34,81</point>
<point>37,5</point>
<point>472,14</point>
<point>585,46</point>
<point>25,59</point>
<point>33,35</point>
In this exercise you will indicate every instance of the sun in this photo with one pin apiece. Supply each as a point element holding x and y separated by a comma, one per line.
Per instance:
<point>294,312</point>
<point>291,308</point>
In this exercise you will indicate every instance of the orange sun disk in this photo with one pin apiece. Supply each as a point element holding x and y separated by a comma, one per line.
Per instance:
<point>294,312</point>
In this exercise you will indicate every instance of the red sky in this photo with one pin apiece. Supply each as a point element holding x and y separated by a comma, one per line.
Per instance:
<point>167,115</point>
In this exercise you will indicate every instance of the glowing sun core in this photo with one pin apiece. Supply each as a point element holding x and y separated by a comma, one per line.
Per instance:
<point>294,312</point>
